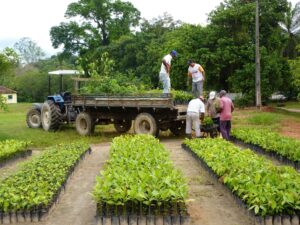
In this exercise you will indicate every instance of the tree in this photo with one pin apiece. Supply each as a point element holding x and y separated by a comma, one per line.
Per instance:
<point>29,51</point>
<point>141,53</point>
<point>31,80</point>
<point>3,105</point>
<point>295,70</point>
<point>291,26</point>
<point>8,60</point>
<point>102,21</point>
<point>233,46</point>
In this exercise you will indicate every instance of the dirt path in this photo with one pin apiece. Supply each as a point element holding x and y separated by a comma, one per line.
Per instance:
<point>290,128</point>
<point>14,165</point>
<point>211,204</point>
<point>76,206</point>
<point>289,110</point>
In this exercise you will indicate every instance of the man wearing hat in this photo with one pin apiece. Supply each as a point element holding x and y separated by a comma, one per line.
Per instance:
<point>164,74</point>
<point>198,76</point>
<point>227,108</point>
<point>195,111</point>
<point>213,108</point>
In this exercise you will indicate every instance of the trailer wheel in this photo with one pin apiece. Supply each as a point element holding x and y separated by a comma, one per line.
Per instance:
<point>33,118</point>
<point>122,126</point>
<point>84,124</point>
<point>145,123</point>
<point>178,127</point>
<point>51,116</point>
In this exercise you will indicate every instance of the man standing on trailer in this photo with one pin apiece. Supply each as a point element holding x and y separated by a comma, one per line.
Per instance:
<point>164,75</point>
<point>195,111</point>
<point>197,73</point>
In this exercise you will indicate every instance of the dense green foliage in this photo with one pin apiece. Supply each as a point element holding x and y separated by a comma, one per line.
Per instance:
<point>295,70</point>
<point>270,141</point>
<point>8,60</point>
<point>37,183</point>
<point>290,26</point>
<point>207,121</point>
<point>102,22</point>
<point>263,187</point>
<point>225,48</point>
<point>139,170</point>
<point>3,105</point>
<point>10,148</point>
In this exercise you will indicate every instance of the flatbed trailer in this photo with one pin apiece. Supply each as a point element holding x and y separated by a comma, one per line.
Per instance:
<point>150,113</point>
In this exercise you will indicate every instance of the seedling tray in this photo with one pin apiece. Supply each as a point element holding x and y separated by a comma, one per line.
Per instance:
<point>259,220</point>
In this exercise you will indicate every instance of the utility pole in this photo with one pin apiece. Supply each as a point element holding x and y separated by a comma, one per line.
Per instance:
<point>257,59</point>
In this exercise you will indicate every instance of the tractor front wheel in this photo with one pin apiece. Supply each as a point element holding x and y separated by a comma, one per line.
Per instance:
<point>33,118</point>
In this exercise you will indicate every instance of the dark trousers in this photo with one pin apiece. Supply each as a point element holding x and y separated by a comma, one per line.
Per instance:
<point>225,127</point>
<point>217,122</point>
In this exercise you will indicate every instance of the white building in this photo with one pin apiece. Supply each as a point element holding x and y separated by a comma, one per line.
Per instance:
<point>9,94</point>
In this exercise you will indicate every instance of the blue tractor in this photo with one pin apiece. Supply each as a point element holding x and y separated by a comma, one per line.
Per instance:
<point>55,110</point>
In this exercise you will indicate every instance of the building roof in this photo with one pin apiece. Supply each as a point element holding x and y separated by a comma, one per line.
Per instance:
<point>5,90</point>
<point>65,72</point>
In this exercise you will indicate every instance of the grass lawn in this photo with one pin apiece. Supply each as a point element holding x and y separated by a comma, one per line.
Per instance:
<point>13,126</point>
<point>254,118</point>
<point>283,122</point>
<point>260,119</point>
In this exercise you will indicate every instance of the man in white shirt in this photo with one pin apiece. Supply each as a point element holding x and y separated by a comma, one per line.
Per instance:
<point>195,110</point>
<point>198,76</point>
<point>164,74</point>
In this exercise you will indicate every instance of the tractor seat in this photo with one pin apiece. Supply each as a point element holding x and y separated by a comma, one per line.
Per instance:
<point>66,96</point>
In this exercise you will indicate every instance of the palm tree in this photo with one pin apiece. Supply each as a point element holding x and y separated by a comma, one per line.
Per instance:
<point>291,26</point>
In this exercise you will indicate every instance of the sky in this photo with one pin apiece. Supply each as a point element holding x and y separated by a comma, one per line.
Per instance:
<point>34,18</point>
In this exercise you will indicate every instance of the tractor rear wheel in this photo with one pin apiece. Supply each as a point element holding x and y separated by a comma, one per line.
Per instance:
<point>84,124</point>
<point>33,118</point>
<point>51,116</point>
<point>122,126</point>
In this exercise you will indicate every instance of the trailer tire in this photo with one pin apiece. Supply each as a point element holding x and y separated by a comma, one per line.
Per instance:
<point>145,123</point>
<point>122,126</point>
<point>164,126</point>
<point>50,116</point>
<point>85,126</point>
<point>33,118</point>
<point>178,127</point>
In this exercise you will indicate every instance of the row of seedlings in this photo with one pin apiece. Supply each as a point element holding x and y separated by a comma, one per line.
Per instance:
<point>30,193</point>
<point>140,185</point>
<point>284,149</point>
<point>13,149</point>
<point>271,194</point>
